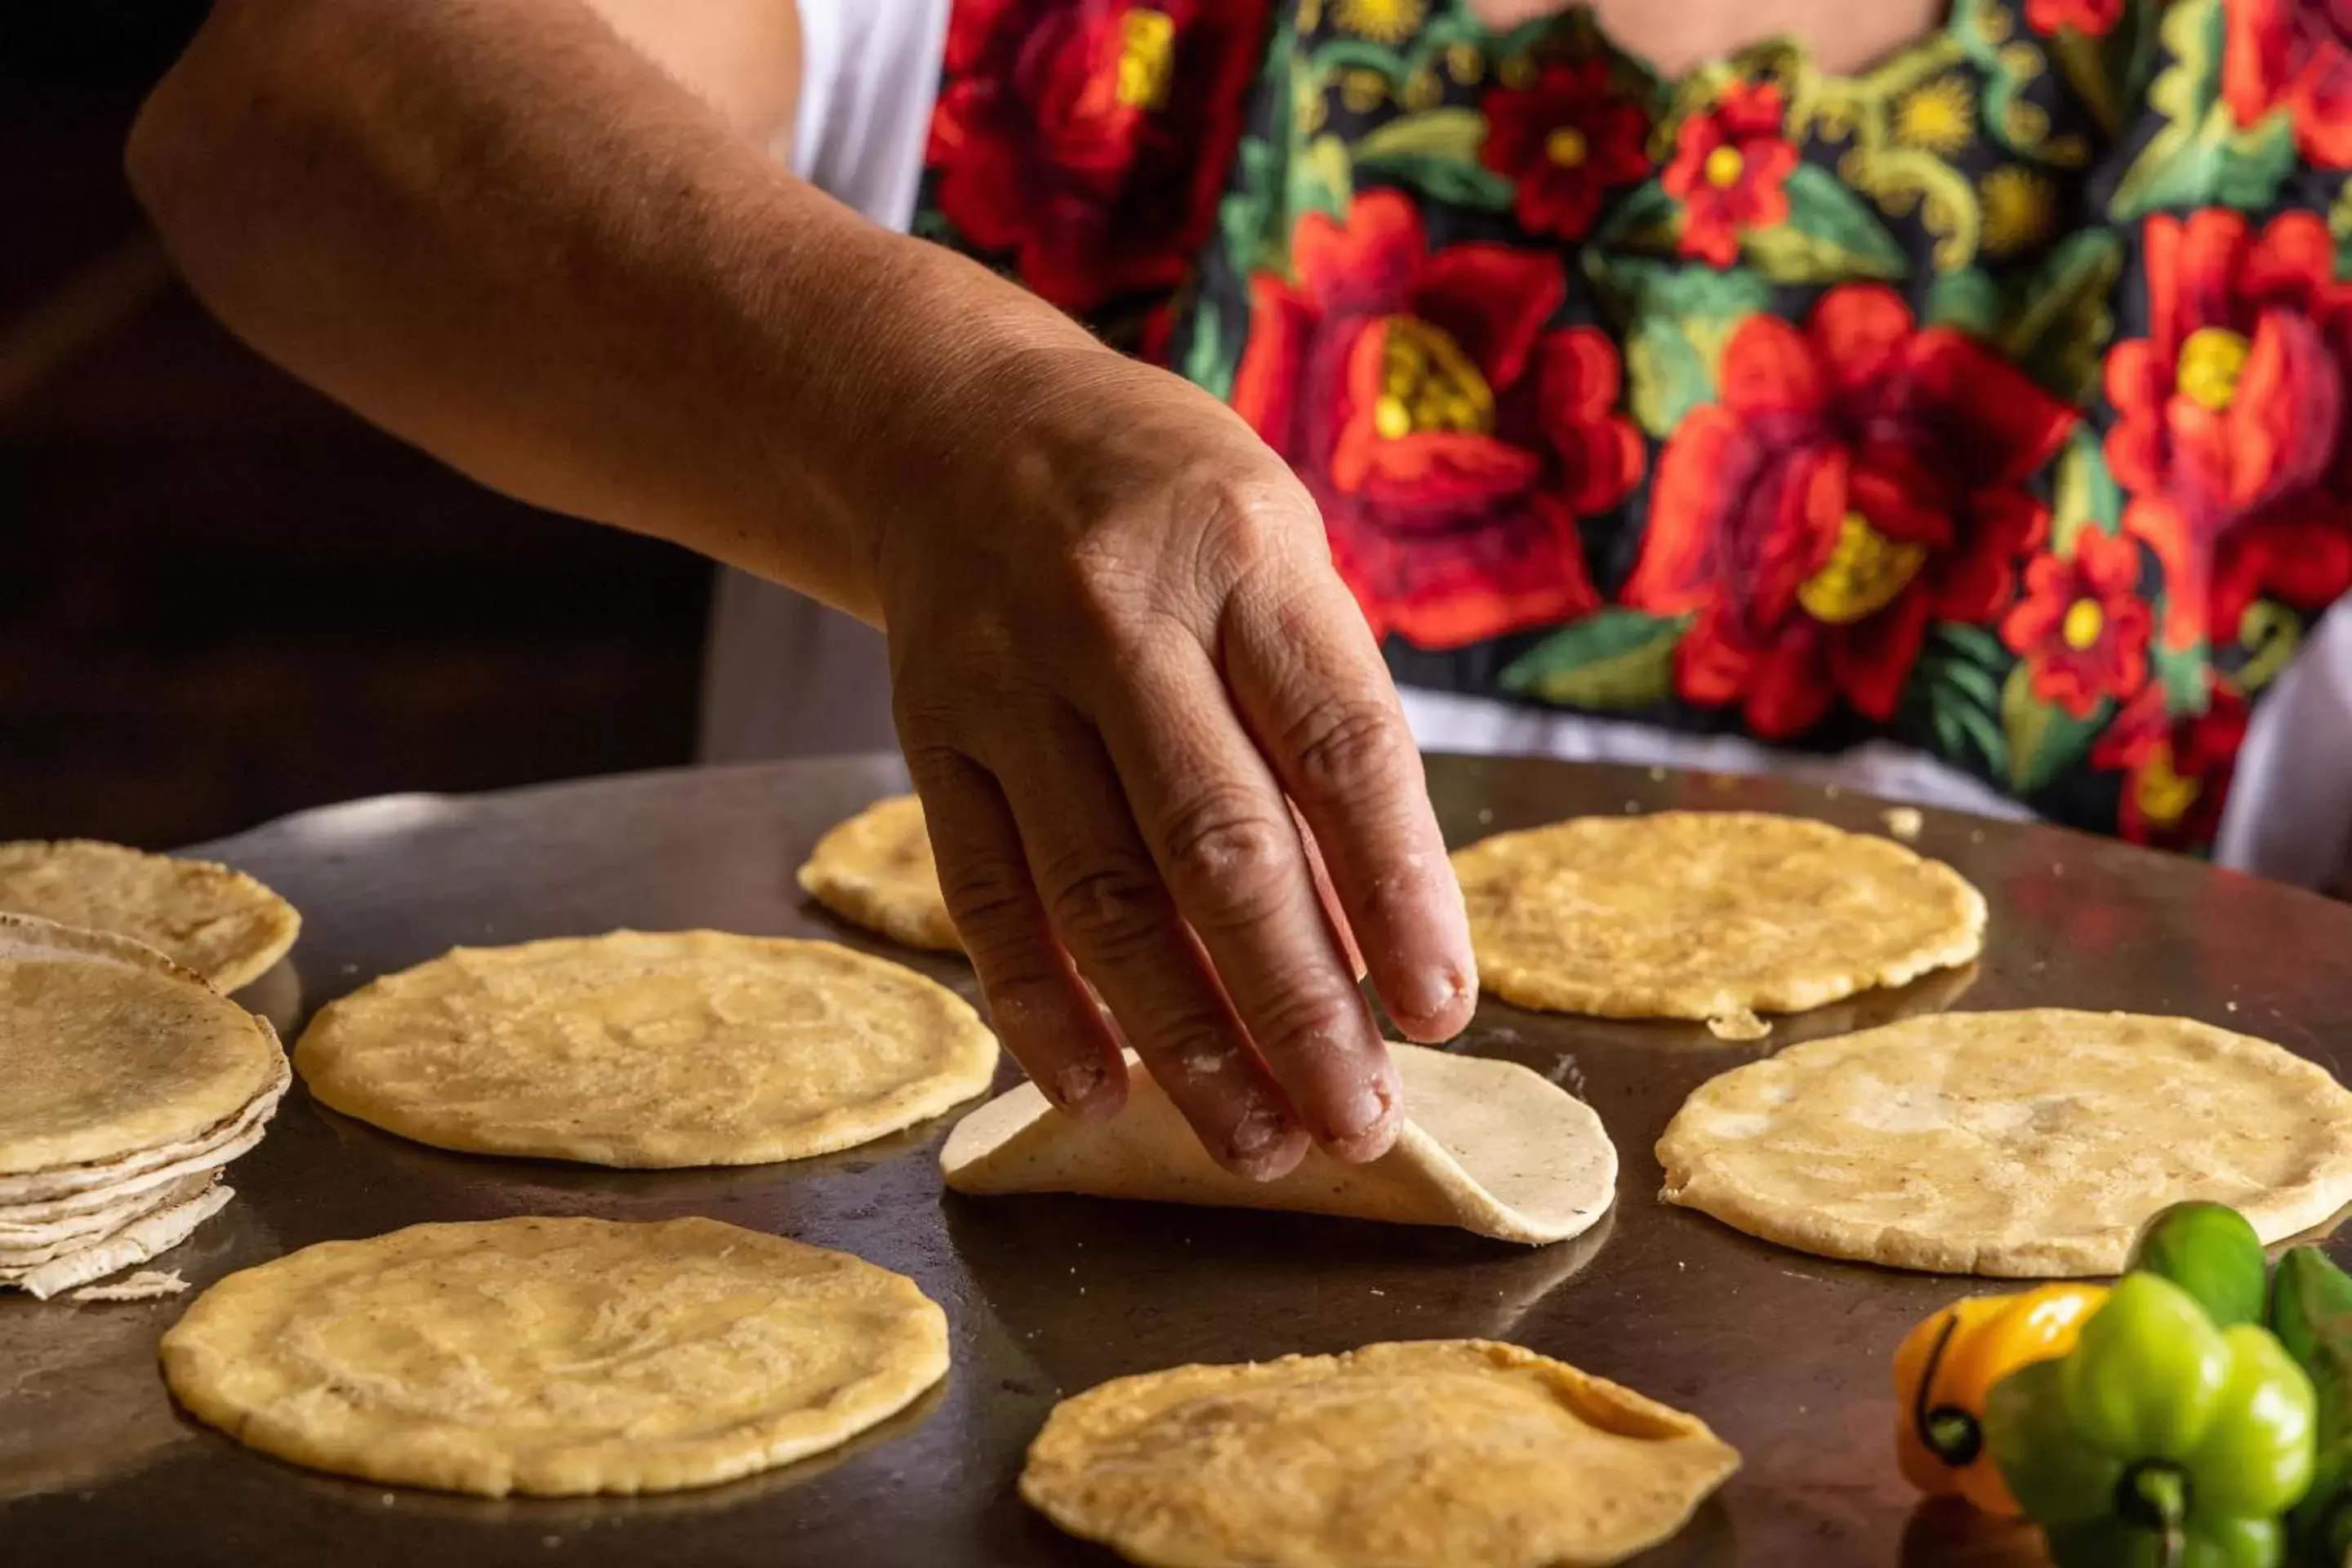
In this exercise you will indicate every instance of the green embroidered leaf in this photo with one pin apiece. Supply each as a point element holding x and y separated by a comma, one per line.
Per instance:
<point>2088,68</point>
<point>2060,322</point>
<point>1210,359</point>
<point>1972,643</point>
<point>1357,54</point>
<point>1644,218</point>
<point>2201,156</point>
<point>1444,134</point>
<point>2083,493</point>
<point>2045,740</point>
<point>1954,692</point>
<point>1983,732</point>
<point>2182,671</point>
<point>1319,180</point>
<point>1678,320</point>
<point>1969,300</point>
<point>1613,658</point>
<point>1244,218</point>
<point>1973,680</point>
<point>2270,633</point>
<point>1461,185</point>
<point>1830,235</point>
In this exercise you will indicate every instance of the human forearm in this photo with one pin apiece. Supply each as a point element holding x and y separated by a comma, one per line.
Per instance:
<point>504,233</point>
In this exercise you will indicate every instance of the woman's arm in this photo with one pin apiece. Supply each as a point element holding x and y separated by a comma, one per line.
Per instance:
<point>500,230</point>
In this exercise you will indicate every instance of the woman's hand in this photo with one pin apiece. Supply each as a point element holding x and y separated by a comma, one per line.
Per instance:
<point>505,233</point>
<point>1117,645</point>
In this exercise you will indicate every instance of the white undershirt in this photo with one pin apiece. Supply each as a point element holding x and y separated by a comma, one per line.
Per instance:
<point>789,678</point>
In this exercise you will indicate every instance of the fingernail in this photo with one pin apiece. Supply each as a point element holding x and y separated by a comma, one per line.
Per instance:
<point>1265,1146</point>
<point>1428,995</point>
<point>1363,1127</point>
<point>1077,1088</point>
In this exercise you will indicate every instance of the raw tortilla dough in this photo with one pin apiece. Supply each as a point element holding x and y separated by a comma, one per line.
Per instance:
<point>555,1356</point>
<point>1689,914</point>
<point>1435,1453</point>
<point>642,1050</point>
<point>1488,1146</point>
<point>2027,1144</point>
<point>219,922</point>
<point>875,871</point>
<point>109,1049</point>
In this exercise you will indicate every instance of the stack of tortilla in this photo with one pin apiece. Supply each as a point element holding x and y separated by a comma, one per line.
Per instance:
<point>131,1083</point>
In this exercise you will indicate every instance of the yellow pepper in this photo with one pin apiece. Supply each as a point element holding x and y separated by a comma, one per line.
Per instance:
<point>1947,1365</point>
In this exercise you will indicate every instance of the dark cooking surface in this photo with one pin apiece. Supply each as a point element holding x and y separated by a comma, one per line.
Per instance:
<point>1784,1354</point>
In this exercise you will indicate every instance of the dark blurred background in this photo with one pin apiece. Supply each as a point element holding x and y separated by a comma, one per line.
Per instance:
<point>222,597</point>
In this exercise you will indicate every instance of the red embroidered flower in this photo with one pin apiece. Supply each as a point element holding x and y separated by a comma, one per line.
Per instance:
<point>2231,428</point>
<point>2295,55</point>
<point>1564,142</point>
<point>1451,441</point>
<point>2080,628</point>
<point>1729,168</point>
<point>1858,475</point>
<point>2092,19</point>
<point>2177,771</point>
<point>1089,138</point>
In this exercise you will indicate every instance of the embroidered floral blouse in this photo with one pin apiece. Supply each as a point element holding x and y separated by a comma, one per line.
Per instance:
<point>1993,402</point>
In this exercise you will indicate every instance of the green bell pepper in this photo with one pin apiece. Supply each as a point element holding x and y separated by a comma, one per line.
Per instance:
<point>2161,1441</point>
<point>2209,1250</point>
<point>2311,1313</point>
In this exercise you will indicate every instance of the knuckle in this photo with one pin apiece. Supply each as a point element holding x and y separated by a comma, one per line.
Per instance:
<point>1106,906</point>
<point>992,910</point>
<point>1226,857</point>
<point>1311,1021</point>
<point>1242,527</point>
<point>1341,745</point>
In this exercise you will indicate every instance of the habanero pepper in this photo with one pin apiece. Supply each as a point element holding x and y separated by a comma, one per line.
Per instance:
<point>2209,1250</point>
<point>2161,1441</point>
<point>2311,1313</point>
<point>1946,1367</point>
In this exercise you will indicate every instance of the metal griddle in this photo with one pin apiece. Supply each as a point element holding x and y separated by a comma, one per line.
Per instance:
<point>1785,1355</point>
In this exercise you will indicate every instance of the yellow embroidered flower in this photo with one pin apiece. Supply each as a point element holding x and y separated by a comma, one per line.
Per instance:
<point>1938,116</point>
<point>1147,61</point>
<point>1465,63</point>
<point>2020,210</point>
<point>1428,384</point>
<point>1362,90</point>
<point>1864,572</point>
<point>1423,91</point>
<point>1382,21</point>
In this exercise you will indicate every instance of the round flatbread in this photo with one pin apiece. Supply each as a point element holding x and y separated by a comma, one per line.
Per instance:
<point>875,871</point>
<point>219,922</point>
<point>109,1049</point>
<point>1436,1452</point>
<point>1688,914</point>
<point>555,1356</point>
<point>2028,1145</point>
<point>636,1048</point>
